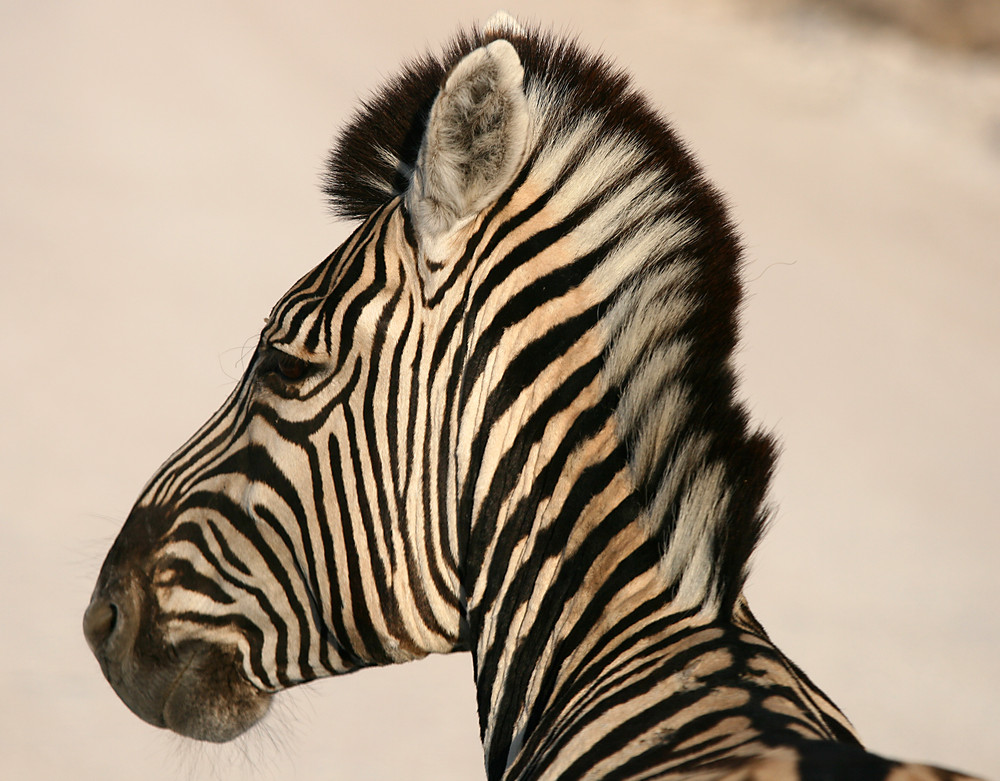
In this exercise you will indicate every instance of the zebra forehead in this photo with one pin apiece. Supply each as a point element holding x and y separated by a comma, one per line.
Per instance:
<point>373,159</point>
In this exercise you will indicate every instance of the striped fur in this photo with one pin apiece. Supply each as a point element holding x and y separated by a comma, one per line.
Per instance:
<point>500,418</point>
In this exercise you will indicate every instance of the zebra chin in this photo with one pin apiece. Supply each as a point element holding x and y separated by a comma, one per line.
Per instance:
<point>211,700</point>
<point>195,688</point>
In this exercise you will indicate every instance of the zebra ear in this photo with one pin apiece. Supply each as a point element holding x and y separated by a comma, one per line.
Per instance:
<point>474,142</point>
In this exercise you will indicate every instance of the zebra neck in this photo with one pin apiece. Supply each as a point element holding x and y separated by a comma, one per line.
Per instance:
<point>568,607</point>
<point>552,561</point>
<point>640,684</point>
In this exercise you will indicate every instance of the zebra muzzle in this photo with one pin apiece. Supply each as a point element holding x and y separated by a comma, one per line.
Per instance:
<point>195,688</point>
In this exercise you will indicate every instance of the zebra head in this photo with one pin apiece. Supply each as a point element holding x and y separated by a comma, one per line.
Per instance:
<point>488,384</point>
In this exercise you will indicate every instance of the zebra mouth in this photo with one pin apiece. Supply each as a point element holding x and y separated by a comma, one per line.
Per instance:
<point>197,689</point>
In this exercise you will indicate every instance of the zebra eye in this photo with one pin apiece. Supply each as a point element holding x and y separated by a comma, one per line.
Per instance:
<point>290,367</point>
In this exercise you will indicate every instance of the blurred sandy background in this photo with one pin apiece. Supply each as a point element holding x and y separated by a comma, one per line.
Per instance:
<point>159,192</point>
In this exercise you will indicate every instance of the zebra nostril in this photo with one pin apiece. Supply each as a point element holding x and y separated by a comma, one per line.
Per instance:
<point>99,622</point>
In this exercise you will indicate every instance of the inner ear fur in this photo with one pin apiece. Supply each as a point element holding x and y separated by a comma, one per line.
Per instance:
<point>474,142</point>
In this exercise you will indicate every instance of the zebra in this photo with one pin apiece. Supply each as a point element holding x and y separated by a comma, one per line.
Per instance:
<point>501,418</point>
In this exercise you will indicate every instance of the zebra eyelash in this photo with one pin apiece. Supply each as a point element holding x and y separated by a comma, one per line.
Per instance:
<point>285,369</point>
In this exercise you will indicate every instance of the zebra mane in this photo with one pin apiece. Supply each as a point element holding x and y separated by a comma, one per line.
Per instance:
<point>701,473</point>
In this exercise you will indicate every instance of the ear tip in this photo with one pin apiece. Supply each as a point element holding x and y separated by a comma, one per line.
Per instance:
<point>504,53</point>
<point>503,48</point>
<point>498,56</point>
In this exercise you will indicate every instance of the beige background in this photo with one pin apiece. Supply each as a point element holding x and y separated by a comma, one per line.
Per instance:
<point>158,192</point>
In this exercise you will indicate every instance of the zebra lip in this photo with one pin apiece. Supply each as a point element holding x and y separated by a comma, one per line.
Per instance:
<point>142,686</point>
<point>115,624</point>
<point>169,716</point>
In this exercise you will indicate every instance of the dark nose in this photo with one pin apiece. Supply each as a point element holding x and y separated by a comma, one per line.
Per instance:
<point>99,622</point>
<point>110,623</point>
